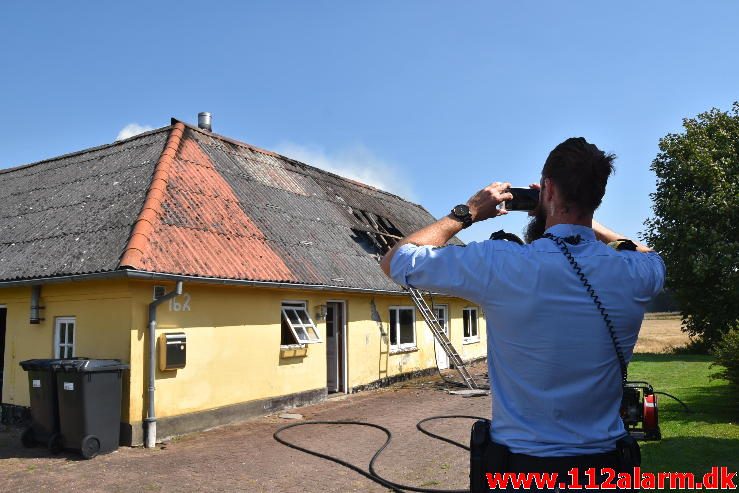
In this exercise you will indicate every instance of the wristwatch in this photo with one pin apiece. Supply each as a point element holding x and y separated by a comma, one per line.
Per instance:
<point>462,214</point>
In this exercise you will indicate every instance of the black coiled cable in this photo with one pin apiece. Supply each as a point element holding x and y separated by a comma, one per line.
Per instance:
<point>562,244</point>
<point>372,474</point>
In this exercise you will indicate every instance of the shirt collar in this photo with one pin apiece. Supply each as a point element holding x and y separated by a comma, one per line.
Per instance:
<point>565,230</point>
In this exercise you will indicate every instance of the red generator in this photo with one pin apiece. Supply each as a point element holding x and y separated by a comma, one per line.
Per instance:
<point>639,411</point>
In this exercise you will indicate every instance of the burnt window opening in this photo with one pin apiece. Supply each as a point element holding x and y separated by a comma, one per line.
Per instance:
<point>376,234</point>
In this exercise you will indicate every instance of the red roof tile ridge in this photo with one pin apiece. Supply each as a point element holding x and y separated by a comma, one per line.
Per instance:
<point>287,158</point>
<point>138,242</point>
<point>84,151</point>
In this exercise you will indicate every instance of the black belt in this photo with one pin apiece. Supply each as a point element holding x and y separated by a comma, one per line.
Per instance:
<point>500,459</point>
<point>563,466</point>
<point>530,463</point>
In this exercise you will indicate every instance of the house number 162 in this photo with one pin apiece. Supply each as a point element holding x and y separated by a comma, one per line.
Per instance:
<point>176,306</point>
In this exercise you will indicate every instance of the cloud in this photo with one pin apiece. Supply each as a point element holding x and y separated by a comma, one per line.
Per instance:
<point>356,162</point>
<point>132,129</point>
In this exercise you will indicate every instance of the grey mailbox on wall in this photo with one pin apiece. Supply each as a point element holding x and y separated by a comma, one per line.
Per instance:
<point>172,351</point>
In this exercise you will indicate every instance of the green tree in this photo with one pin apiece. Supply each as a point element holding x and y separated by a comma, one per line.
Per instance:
<point>696,221</point>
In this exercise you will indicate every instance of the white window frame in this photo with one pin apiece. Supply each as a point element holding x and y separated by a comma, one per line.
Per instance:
<point>475,337</point>
<point>445,308</point>
<point>58,345</point>
<point>407,345</point>
<point>297,306</point>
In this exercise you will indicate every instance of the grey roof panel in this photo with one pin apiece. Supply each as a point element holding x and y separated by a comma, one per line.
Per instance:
<point>74,214</point>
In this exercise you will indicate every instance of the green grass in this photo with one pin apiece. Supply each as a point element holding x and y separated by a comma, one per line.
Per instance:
<point>691,442</point>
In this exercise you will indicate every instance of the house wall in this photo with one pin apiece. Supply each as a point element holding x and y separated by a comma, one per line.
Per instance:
<point>103,322</point>
<point>233,345</point>
<point>233,349</point>
<point>235,364</point>
<point>370,356</point>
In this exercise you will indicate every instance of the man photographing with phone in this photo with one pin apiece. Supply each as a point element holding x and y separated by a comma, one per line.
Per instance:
<point>556,379</point>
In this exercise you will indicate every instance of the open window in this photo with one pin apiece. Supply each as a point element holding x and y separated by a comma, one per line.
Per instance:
<point>297,326</point>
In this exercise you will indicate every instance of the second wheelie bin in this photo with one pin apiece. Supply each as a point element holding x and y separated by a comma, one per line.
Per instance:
<point>44,428</point>
<point>90,404</point>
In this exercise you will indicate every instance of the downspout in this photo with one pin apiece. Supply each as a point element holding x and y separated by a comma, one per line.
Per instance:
<point>151,420</point>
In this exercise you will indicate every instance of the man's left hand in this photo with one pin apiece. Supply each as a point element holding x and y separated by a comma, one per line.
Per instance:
<point>484,204</point>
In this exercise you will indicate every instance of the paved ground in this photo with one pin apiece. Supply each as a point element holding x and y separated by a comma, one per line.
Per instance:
<point>244,457</point>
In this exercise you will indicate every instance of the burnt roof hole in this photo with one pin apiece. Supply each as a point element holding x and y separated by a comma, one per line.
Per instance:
<point>376,234</point>
<point>388,226</point>
<point>363,240</point>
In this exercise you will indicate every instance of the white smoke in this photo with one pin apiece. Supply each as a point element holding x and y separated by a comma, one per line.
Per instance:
<point>356,162</point>
<point>132,129</point>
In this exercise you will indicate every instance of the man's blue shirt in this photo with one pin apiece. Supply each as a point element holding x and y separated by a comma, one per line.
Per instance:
<point>555,377</point>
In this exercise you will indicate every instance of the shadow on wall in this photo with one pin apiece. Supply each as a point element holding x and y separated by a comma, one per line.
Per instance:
<point>384,341</point>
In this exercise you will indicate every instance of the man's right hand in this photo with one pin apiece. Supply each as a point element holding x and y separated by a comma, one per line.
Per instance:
<point>607,236</point>
<point>535,186</point>
<point>484,204</point>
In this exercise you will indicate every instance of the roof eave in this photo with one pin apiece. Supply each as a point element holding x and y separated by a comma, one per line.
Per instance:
<point>161,276</point>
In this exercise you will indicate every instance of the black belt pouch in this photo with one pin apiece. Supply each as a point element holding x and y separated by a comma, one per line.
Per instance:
<point>486,456</point>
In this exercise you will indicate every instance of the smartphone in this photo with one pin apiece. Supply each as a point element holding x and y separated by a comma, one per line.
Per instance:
<point>524,199</point>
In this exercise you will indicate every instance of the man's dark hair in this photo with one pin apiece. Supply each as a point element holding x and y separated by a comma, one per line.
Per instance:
<point>580,170</point>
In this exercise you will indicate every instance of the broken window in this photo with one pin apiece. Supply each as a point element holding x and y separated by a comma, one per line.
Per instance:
<point>469,318</point>
<point>297,326</point>
<point>378,233</point>
<point>402,328</point>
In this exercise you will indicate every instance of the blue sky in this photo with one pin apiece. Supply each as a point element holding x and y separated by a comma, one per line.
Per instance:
<point>430,99</point>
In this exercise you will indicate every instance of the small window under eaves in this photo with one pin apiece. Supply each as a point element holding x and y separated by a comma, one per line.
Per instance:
<point>159,291</point>
<point>297,325</point>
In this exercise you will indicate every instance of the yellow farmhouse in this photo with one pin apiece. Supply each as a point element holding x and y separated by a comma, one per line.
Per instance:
<point>256,275</point>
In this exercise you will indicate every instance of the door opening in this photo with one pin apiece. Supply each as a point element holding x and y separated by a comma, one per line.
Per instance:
<point>3,325</point>
<point>335,347</point>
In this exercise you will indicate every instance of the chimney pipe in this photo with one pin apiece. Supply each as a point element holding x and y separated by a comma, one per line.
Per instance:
<point>36,307</point>
<point>204,121</point>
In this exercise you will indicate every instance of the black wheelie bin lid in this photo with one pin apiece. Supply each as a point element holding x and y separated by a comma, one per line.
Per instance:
<point>37,364</point>
<point>90,365</point>
<point>45,363</point>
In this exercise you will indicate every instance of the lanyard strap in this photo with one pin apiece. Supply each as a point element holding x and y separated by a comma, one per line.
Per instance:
<point>562,244</point>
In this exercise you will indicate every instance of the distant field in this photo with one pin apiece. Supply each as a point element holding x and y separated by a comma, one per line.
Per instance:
<point>660,331</point>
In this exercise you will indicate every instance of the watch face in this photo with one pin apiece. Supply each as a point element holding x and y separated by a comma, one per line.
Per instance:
<point>461,210</point>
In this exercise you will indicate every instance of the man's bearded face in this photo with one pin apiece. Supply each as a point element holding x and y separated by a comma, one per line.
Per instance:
<point>538,221</point>
<point>537,225</point>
